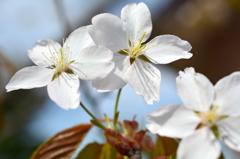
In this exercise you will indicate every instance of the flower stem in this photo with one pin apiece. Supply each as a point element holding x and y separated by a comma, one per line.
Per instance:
<point>95,120</point>
<point>115,110</point>
<point>221,156</point>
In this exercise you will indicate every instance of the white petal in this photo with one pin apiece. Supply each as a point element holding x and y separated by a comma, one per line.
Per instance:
<point>108,30</point>
<point>114,80</point>
<point>78,40</point>
<point>64,91</point>
<point>93,63</point>
<point>172,120</point>
<point>229,129</point>
<point>43,51</point>
<point>195,90</point>
<point>200,144</point>
<point>137,17</point>
<point>145,79</point>
<point>228,152</point>
<point>227,94</point>
<point>164,49</point>
<point>30,77</point>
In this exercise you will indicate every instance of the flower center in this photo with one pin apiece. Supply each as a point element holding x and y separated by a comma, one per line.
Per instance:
<point>61,63</point>
<point>211,118</point>
<point>59,59</point>
<point>135,47</point>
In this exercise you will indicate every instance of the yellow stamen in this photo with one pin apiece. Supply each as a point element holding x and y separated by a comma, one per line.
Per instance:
<point>210,115</point>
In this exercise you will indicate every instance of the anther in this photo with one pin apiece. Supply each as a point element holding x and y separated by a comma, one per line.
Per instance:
<point>152,45</point>
<point>138,31</point>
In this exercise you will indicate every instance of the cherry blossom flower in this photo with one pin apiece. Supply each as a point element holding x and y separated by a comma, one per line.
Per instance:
<point>61,67</point>
<point>127,36</point>
<point>210,113</point>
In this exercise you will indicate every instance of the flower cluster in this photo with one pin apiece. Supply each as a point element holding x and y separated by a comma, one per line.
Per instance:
<point>210,113</point>
<point>112,52</point>
<point>60,67</point>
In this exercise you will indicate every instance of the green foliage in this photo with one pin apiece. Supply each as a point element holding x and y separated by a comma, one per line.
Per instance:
<point>164,146</point>
<point>98,151</point>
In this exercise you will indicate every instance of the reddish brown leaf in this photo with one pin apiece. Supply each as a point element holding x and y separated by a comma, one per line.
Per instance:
<point>63,144</point>
<point>147,143</point>
<point>131,127</point>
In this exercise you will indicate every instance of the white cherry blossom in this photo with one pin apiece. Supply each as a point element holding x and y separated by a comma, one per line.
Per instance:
<point>210,113</point>
<point>126,37</point>
<point>61,67</point>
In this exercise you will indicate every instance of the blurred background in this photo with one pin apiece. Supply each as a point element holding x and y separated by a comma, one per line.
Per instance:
<point>29,117</point>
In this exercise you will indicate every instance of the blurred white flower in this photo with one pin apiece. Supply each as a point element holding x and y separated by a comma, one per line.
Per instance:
<point>209,113</point>
<point>60,67</point>
<point>126,36</point>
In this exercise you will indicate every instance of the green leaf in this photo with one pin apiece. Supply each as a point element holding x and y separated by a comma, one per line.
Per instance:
<point>174,156</point>
<point>170,145</point>
<point>108,152</point>
<point>63,144</point>
<point>91,151</point>
<point>159,148</point>
<point>98,151</point>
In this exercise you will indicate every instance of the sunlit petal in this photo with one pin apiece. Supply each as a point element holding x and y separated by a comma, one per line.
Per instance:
<point>164,49</point>
<point>64,91</point>
<point>200,144</point>
<point>137,19</point>
<point>227,94</point>
<point>195,90</point>
<point>172,120</point>
<point>30,77</point>
<point>145,79</point>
